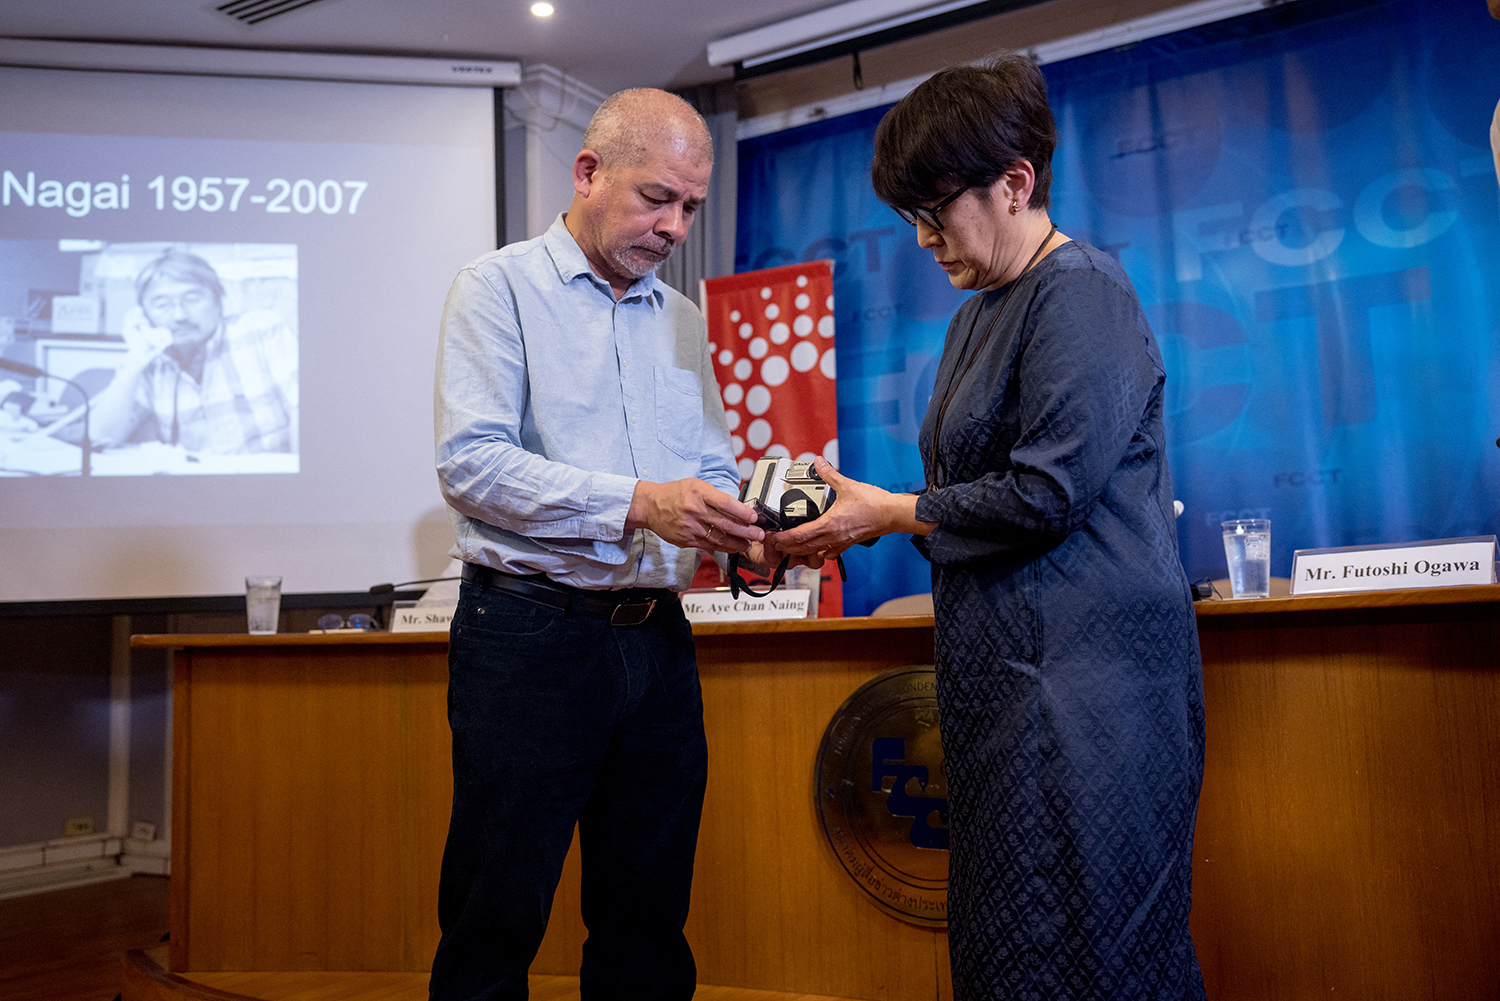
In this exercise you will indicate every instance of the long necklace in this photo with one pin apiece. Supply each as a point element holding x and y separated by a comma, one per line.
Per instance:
<point>958,377</point>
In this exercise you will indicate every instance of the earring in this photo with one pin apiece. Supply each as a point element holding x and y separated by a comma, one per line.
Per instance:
<point>1015,205</point>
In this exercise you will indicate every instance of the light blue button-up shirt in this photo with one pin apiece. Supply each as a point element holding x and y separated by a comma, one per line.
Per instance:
<point>553,399</point>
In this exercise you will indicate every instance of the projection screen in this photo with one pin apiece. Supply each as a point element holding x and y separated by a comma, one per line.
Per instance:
<point>244,278</point>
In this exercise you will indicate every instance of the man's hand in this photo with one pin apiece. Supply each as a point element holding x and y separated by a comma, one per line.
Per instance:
<point>693,515</point>
<point>143,342</point>
<point>113,407</point>
<point>859,512</point>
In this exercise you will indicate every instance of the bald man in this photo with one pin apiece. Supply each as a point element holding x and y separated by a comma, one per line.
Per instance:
<point>584,455</point>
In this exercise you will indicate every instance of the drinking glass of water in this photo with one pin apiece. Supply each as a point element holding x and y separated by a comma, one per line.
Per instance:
<point>262,604</point>
<point>1247,549</point>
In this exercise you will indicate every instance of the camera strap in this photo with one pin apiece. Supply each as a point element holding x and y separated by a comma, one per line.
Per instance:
<point>738,583</point>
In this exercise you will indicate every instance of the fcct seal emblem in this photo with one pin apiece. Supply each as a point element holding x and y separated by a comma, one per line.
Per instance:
<point>881,795</point>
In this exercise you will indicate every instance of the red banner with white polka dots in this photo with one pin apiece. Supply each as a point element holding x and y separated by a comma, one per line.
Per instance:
<point>771,333</point>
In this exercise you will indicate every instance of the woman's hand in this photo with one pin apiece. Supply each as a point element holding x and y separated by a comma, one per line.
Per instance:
<point>859,512</point>
<point>764,557</point>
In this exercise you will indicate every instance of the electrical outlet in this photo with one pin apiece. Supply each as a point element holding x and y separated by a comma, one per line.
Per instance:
<point>142,831</point>
<point>75,826</point>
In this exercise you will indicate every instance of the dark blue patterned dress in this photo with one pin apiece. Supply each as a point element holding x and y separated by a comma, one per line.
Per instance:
<point>1069,680</point>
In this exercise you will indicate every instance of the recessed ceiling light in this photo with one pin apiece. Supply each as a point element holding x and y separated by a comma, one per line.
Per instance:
<point>542,9</point>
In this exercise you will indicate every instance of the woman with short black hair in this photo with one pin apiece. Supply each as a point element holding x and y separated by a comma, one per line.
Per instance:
<point>1069,676</point>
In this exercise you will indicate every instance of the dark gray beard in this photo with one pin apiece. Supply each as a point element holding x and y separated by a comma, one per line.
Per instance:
<point>632,262</point>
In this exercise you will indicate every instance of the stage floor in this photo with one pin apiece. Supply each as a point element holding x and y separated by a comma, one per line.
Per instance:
<point>146,979</point>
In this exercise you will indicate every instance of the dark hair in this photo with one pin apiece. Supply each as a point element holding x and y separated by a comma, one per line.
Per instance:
<point>964,128</point>
<point>183,267</point>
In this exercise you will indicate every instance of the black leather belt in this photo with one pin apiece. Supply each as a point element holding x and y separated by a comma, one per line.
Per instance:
<point>625,607</point>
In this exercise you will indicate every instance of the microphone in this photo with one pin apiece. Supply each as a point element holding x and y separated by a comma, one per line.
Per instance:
<point>22,369</point>
<point>388,588</point>
<point>31,371</point>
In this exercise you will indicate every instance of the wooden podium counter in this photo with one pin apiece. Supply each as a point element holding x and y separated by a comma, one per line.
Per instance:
<point>311,789</point>
<point>1346,834</point>
<point>1348,840</point>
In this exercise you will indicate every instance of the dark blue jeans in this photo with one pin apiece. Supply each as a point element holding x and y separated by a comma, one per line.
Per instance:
<point>560,718</point>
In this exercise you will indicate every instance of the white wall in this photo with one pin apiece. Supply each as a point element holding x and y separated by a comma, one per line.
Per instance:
<point>547,113</point>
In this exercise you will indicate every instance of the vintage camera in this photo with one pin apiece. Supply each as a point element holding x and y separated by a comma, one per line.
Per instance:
<point>785,493</point>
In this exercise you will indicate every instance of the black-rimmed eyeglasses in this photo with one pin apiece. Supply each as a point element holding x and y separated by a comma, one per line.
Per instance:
<point>334,621</point>
<point>929,214</point>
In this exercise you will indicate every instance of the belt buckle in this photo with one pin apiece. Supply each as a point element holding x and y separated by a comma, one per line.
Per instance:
<point>632,614</point>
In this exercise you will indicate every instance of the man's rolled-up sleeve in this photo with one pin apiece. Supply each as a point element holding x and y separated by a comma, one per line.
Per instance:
<point>483,470</point>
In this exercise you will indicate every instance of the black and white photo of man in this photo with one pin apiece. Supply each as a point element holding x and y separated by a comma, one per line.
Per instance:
<point>195,376</point>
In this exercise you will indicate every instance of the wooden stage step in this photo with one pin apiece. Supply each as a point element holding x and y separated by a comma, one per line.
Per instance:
<point>146,979</point>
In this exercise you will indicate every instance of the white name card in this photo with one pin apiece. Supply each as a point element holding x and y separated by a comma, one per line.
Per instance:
<point>75,314</point>
<point>721,606</point>
<point>1394,566</point>
<point>410,617</point>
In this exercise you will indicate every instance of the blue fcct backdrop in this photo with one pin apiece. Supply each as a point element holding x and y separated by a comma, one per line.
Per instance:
<point>1306,202</point>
